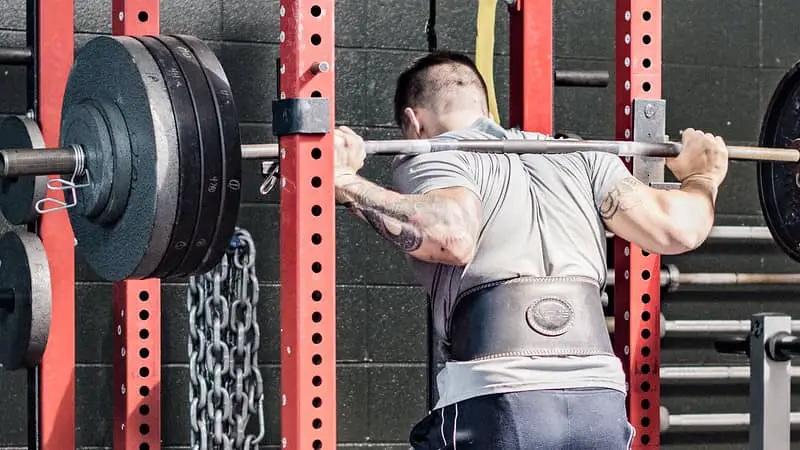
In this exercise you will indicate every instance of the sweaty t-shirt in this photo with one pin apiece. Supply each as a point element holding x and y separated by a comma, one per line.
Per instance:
<point>540,218</point>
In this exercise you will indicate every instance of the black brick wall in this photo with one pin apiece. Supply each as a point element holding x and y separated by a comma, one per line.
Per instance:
<point>722,59</point>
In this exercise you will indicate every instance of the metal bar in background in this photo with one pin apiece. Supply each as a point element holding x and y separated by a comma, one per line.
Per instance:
<point>308,236</point>
<point>54,39</point>
<point>582,78</point>
<point>683,328</point>
<point>672,278</point>
<point>136,303</point>
<point>637,301</point>
<point>716,373</point>
<point>675,423</point>
<point>734,233</point>
<point>16,56</point>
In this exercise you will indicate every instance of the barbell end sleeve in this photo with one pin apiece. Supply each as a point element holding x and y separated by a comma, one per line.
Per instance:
<point>32,162</point>
<point>22,56</point>
<point>260,151</point>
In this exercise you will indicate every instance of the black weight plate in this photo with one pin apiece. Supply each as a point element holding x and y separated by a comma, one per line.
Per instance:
<point>24,328</point>
<point>212,162</point>
<point>231,181</point>
<point>189,175</point>
<point>779,182</point>
<point>18,196</point>
<point>119,71</point>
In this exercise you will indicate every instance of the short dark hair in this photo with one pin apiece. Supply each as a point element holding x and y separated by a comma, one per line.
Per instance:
<point>415,87</point>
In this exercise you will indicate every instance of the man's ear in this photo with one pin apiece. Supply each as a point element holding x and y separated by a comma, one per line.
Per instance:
<point>413,127</point>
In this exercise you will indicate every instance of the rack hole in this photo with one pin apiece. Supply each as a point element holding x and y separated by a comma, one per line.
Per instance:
<point>143,16</point>
<point>645,368</point>
<point>144,334</point>
<point>316,94</point>
<point>316,267</point>
<point>646,316</point>
<point>316,11</point>
<point>316,153</point>
<point>316,39</point>
<point>317,381</point>
<point>316,317</point>
<point>316,182</point>
<point>645,274</point>
<point>144,410</point>
<point>646,333</point>
<point>317,423</point>
<point>316,338</point>
<point>316,296</point>
<point>645,439</point>
<point>316,239</point>
<point>317,402</point>
<point>316,359</point>
<point>144,314</point>
<point>645,253</point>
<point>144,296</point>
<point>316,210</point>
<point>144,391</point>
<point>646,86</point>
<point>647,16</point>
<point>144,428</point>
<point>645,404</point>
<point>646,39</point>
<point>646,63</point>
<point>645,421</point>
<point>144,446</point>
<point>317,444</point>
<point>645,386</point>
<point>645,351</point>
<point>645,298</point>
<point>144,372</point>
<point>144,353</point>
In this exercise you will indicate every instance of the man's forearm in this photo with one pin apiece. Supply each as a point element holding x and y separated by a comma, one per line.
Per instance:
<point>414,223</point>
<point>692,210</point>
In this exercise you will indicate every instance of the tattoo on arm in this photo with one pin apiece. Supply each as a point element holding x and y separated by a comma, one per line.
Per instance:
<point>403,220</point>
<point>624,196</point>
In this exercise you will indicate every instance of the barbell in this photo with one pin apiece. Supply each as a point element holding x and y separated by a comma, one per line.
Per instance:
<point>151,158</point>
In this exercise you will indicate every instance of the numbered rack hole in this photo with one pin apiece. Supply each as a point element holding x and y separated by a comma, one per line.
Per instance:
<point>316,402</point>
<point>645,387</point>
<point>316,338</point>
<point>647,16</point>
<point>316,267</point>
<point>317,444</point>
<point>144,410</point>
<point>645,368</point>
<point>144,296</point>
<point>316,39</point>
<point>316,296</point>
<point>645,351</point>
<point>316,317</point>
<point>144,429</point>
<point>143,16</point>
<point>316,239</point>
<point>316,359</point>
<point>316,11</point>
<point>316,210</point>
<point>317,381</point>
<point>316,153</point>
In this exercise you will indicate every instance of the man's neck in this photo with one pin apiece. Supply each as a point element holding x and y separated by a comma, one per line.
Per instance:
<point>458,120</point>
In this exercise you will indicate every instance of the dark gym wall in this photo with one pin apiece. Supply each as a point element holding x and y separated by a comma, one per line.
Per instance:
<point>722,59</point>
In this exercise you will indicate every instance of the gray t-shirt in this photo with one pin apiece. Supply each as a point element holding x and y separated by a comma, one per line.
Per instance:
<point>540,218</point>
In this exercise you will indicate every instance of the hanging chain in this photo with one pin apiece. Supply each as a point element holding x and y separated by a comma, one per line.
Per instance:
<point>226,388</point>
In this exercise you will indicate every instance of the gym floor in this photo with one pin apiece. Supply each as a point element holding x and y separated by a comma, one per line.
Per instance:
<point>722,59</point>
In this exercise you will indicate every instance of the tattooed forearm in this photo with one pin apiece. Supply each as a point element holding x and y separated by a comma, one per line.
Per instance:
<point>406,221</point>
<point>623,197</point>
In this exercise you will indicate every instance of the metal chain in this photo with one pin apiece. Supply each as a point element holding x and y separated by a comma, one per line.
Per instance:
<point>226,388</point>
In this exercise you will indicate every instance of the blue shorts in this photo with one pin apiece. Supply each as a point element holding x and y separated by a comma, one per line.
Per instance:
<point>575,419</point>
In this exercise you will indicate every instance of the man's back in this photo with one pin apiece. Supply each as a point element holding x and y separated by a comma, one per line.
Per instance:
<point>540,219</point>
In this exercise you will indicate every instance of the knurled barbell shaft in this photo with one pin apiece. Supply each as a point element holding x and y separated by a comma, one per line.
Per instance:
<point>620,148</point>
<point>21,162</point>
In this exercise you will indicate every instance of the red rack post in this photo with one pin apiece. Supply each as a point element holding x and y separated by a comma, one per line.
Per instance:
<point>531,74</point>
<point>137,305</point>
<point>637,302</point>
<point>307,234</point>
<point>57,370</point>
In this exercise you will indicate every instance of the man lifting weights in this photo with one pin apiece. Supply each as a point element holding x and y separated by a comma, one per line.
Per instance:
<point>512,252</point>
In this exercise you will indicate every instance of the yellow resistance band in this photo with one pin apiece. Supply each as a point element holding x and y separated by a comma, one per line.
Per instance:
<point>484,50</point>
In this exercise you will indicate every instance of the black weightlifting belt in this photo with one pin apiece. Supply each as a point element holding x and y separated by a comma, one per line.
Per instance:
<point>527,316</point>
